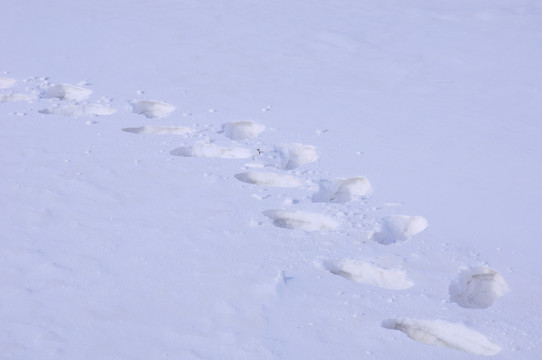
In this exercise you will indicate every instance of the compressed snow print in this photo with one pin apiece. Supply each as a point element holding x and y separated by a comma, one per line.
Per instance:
<point>399,228</point>
<point>67,92</point>
<point>293,219</point>
<point>343,190</point>
<point>269,179</point>
<point>241,130</point>
<point>152,108</point>
<point>478,287</point>
<point>296,155</point>
<point>6,82</point>
<point>160,130</point>
<point>208,150</point>
<point>443,333</point>
<point>80,110</point>
<point>367,273</point>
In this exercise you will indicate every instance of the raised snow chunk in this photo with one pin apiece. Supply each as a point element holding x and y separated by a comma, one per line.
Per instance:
<point>241,130</point>
<point>343,190</point>
<point>67,92</point>
<point>398,228</point>
<point>6,82</point>
<point>296,155</point>
<point>209,150</point>
<point>301,220</point>
<point>160,130</point>
<point>478,287</point>
<point>268,179</point>
<point>368,273</point>
<point>152,108</point>
<point>443,333</point>
<point>80,110</point>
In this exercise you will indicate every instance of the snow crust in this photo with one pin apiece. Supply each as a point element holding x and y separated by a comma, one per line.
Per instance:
<point>269,179</point>
<point>478,287</point>
<point>67,92</point>
<point>296,155</point>
<point>152,108</point>
<point>241,130</point>
<point>399,228</point>
<point>160,130</point>
<point>208,150</point>
<point>303,220</point>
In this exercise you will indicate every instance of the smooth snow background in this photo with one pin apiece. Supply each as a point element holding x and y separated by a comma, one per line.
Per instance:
<point>113,248</point>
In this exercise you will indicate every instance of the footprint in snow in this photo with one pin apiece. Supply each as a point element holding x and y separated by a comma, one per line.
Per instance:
<point>6,82</point>
<point>399,228</point>
<point>444,333</point>
<point>296,155</point>
<point>208,150</point>
<point>478,287</point>
<point>241,130</point>
<point>269,179</point>
<point>152,108</point>
<point>367,273</point>
<point>343,190</point>
<point>66,92</point>
<point>80,110</point>
<point>160,130</point>
<point>301,220</point>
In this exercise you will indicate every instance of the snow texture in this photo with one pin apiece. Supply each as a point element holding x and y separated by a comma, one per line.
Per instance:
<point>478,287</point>
<point>208,150</point>
<point>296,155</point>
<point>241,130</point>
<point>269,179</point>
<point>367,273</point>
<point>399,228</point>
<point>80,110</point>
<point>343,190</point>
<point>296,219</point>
<point>159,130</point>
<point>444,333</point>
<point>67,92</point>
<point>152,108</point>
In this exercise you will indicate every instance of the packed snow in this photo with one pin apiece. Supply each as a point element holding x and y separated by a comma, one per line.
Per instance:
<point>191,232</point>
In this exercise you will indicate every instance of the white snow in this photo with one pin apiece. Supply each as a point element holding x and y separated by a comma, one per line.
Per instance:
<point>303,220</point>
<point>478,287</point>
<point>67,92</point>
<point>367,273</point>
<point>160,130</point>
<point>399,228</point>
<point>296,155</point>
<point>269,179</point>
<point>209,150</point>
<point>152,108</point>
<point>241,130</point>
<point>146,233</point>
<point>444,333</point>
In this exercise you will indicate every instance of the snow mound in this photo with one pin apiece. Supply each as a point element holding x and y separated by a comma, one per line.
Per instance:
<point>478,287</point>
<point>67,92</point>
<point>343,190</point>
<point>269,179</point>
<point>398,228</point>
<point>208,150</point>
<point>444,333</point>
<point>370,274</point>
<point>6,82</point>
<point>160,130</point>
<point>14,97</point>
<point>80,110</point>
<point>241,130</point>
<point>152,108</point>
<point>301,220</point>
<point>296,155</point>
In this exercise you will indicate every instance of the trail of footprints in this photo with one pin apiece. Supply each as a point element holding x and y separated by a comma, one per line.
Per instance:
<point>476,287</point>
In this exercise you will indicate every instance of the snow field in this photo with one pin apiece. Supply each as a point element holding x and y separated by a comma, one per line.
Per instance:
<point>475,287</point>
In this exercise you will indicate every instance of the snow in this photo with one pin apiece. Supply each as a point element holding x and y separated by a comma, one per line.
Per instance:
<point>175,235</point>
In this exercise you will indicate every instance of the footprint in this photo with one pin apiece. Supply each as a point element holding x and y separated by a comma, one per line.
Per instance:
<point>478,287</point>
<point>444,333</point>
<point>343,190</point>
<point>6,82</point>
<point>368,273</point>
<point>152,108</point>
<point>66,92</point>
<point>301,220</point>
<point>296,155</point>
<point>208,150</point>
<point>160,130</point>
<point>269,179</point>
<point>80,110</point>
<point>398,228</point>
<point>241,130</point>
<point>15,97</point>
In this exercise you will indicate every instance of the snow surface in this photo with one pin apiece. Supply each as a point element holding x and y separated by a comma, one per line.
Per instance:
<point>143,243</point>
